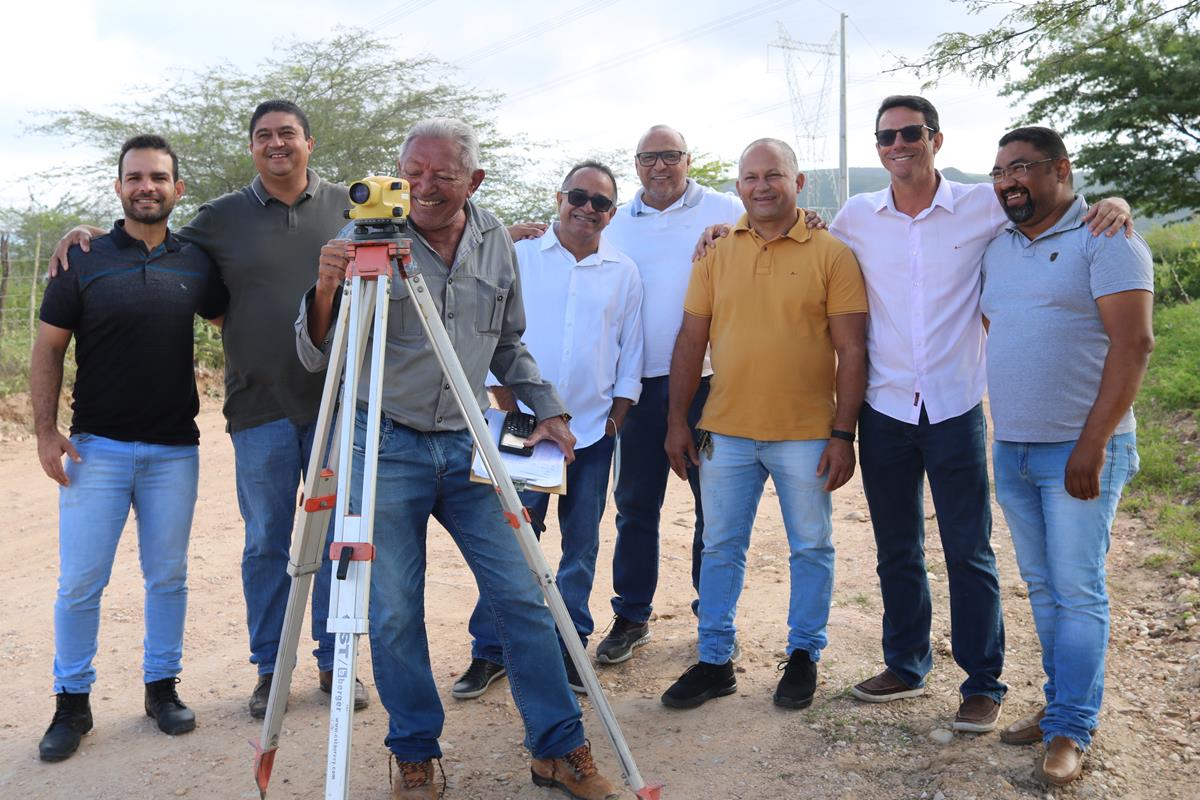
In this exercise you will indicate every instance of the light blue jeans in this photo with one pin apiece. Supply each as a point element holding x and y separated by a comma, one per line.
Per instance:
<point>731,481</point>
<point>422,475</point>
<point>270,461</point>
<point>1061,544</point>
<point>159,482</point>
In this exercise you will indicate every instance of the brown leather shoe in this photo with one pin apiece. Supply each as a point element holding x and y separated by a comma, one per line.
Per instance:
<point>413,780</point>
<point>1063,761</point>
<point>576,774</point>
<point>884,688</point>
<point>362,698</point>
<point>977,714</point>
<point>1026,730</point>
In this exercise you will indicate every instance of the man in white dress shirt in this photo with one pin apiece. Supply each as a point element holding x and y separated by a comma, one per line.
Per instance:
<point>920,243</point>
<point>583,309</point>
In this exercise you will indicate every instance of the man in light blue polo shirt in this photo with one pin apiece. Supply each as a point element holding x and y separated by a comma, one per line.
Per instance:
<point>1069,340</point>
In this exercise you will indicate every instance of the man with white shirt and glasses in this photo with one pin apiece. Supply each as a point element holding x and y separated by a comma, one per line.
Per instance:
<point>583,317</point>
<point>1069,340</point>
<point>657,229</point>
<point>920,242</point>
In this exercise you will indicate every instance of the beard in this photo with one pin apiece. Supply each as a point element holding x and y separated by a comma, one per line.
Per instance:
<point>149,216</point>
<point>1021,213</point>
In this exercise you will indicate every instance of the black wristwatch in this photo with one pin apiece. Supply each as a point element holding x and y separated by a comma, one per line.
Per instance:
<point>847,436</point>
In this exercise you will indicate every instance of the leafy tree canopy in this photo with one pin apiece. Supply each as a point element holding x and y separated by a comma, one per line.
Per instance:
<point>360,97</point>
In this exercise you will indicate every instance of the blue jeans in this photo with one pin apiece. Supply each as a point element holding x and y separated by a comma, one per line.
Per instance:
<point>1061,544</point>
<point>159,481</point>
<point>732,481</point>
<point>895,457</point>
<point>424,474</point>
<point>271,460</point>
<point>641,487</point>
<point>579,513</point>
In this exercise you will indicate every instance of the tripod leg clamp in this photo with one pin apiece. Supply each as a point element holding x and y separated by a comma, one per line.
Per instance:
<point>345,552</point>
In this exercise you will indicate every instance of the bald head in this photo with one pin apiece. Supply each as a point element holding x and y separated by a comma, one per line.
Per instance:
<point>662,133</point>
<point>664,183</point>
<point>784,150</point>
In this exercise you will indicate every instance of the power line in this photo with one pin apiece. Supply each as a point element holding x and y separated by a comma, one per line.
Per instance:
<point>398,13</point>
<point>632,55</point>
<point>533,32</point>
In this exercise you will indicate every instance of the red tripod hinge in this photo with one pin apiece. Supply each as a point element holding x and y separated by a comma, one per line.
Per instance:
<point>320,503</point>
<point>371,260</point>
<point>362,551</point>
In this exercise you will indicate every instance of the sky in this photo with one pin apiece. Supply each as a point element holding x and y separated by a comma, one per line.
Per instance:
<point>591,75</point>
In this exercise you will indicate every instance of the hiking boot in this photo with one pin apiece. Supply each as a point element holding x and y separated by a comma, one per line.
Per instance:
<point>701,683</point>
<point>573,679</point>
<point>885,687</point>
<point>362,698</point>
<point>260,696</point>
<point>1063,761</point>
<point>575,773</point>
<point>72,719</point>
<point>413,780</point>
<point>1026,730</point>
<point>977,714</point>
<point>624,636</point>
<point>799,682</point>
<point>164,707</point>
<point>476,680</point>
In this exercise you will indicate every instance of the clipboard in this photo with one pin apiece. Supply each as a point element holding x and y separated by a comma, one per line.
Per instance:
<point>537,472</point>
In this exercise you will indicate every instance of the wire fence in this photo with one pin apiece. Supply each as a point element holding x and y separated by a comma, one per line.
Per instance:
<point>21,290</point>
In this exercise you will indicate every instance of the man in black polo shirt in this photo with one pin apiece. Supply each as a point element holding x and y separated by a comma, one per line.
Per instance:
<point>129,302</point>
<point>264,239</point>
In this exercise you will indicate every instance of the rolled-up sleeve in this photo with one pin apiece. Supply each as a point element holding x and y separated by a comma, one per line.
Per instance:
<point>313,358</point>
<point>631,341</point>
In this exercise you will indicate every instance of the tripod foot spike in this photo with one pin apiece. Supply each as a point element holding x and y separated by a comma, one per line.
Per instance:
<point>651,791</point>
<point>264,760</point>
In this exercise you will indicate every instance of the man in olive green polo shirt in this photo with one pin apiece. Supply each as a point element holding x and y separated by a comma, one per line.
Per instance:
<point>265,239</point>
<point>784,309</point>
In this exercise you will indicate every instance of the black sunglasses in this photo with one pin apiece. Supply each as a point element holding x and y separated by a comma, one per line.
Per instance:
<point>910,134</point>
<point>579,198</point>
<point>669,157</point>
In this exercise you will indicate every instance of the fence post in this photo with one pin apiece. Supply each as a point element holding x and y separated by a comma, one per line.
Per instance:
<point>4,267</point>
<point>37,259</point>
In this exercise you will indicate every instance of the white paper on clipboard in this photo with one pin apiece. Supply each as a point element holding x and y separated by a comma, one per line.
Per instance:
<point>545,468</point>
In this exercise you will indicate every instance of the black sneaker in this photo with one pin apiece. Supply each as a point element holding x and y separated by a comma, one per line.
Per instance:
<point>573,679</point>
<point>476,680</point>
<point>624,636</point>
<point>72,719</point>
<point>164,707</point>
<point>701,683</point>
<point>799,681</point>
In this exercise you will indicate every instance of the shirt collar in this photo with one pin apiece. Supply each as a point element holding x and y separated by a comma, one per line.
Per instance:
<point>943,197</point>
<point>122,239</point>
<point>1072,218</point>
<point>692,195</point>
<point>798,232</point>
<point>264,197</point>
<point>606,251</point>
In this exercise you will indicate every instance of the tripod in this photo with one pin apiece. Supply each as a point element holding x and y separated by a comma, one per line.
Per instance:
<point>378,253</point>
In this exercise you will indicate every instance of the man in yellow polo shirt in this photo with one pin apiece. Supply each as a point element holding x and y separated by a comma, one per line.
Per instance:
<point>785,311</point>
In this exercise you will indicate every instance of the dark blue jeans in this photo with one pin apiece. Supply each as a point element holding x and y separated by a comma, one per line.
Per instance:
<point>641,487</point>
<point>579,513</point>
<point>895,456</point>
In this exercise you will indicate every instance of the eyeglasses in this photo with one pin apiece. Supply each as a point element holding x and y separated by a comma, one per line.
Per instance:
<point>579,198</point>
<point>910,134</point>
<point>669,157</point>
<point>1016,170</point>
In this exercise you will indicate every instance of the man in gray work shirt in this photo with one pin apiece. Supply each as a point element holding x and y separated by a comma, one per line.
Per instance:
<point>467,261</point>
<point>263,239</point>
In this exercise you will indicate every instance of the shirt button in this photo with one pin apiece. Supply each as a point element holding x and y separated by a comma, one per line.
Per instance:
<point>450,315</point>
<point>439,419</point>
<point>449,280</point>
<point>446,387</point>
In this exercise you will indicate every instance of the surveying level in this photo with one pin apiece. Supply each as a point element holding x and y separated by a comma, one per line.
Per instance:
<point>378,252</point>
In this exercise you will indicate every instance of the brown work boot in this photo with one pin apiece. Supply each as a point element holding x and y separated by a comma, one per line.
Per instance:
<point>1026,730</point>
<point>414,780</point>
<point>977,714</point>
<point>1063,761</point>
<point>576,774</point>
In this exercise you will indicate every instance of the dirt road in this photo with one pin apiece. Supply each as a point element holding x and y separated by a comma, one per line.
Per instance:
<point>735,747</point>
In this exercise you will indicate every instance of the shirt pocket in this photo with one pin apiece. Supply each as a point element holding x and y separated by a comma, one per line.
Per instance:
<point>490,303</point>
<point>403,321</point>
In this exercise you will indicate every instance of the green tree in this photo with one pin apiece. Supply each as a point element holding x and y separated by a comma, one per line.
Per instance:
<point>360,98</point>
<point>708,170</point>
<point>1120,75</point>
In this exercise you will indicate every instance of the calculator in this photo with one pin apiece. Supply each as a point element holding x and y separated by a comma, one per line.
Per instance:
<point>517,427</point>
